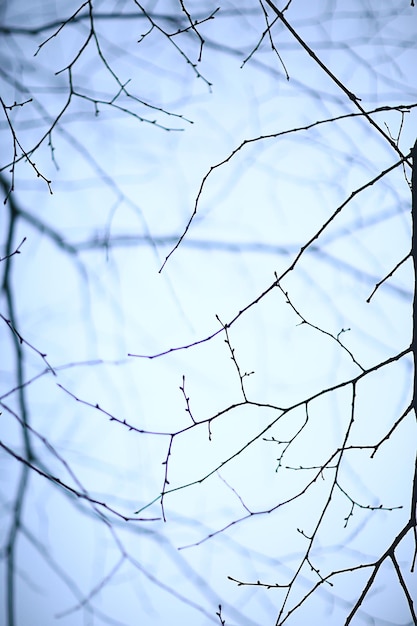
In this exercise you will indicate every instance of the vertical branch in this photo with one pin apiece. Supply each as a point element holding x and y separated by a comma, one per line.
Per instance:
<point>413,513</point>
<point>414,257</point>
<point>12,538</point>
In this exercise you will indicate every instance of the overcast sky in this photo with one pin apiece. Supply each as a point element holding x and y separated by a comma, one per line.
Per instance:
<point>127,173</point>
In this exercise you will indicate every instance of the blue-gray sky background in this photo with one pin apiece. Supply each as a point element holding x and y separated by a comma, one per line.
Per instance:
<point>87,292</point>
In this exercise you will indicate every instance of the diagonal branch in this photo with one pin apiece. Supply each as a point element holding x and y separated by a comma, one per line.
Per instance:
<point>334,78</point>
